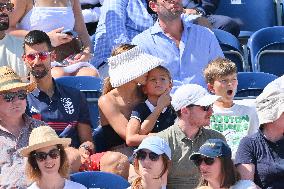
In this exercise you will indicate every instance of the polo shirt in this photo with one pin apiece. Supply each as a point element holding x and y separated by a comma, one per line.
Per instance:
<point>183,173</point>
<point>165,119</point>
<point>63,111</point>
<point>268,158</point>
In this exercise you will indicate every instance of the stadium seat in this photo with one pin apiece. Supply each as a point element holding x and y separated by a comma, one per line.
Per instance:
<point>253,14</point>
<point>231,48</point>
<point>251,84</point>
<point>99,179</point>
<point>266,49</point>
<point>91,87</point>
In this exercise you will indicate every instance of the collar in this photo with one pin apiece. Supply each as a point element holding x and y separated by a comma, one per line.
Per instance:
<point>182,136</point>
<point>57,90</point>
<point>151,107</point>
<point>156,28</point>
<point>27,122</point>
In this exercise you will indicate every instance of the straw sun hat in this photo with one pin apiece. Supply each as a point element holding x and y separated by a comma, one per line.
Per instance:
<point>130,65</point>
<point>41,137</point>
<point>10,80</point>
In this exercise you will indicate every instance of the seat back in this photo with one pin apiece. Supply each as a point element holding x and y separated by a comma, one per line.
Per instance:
<point>99,179</point>
<point>91,88</point>
<point>270,40</point>
<point>251,84</point>
<point>231,48</point>
<point>253,14</point>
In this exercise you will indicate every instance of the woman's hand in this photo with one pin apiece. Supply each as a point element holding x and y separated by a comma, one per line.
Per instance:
<point>57,38</point>
<point>84,56</point>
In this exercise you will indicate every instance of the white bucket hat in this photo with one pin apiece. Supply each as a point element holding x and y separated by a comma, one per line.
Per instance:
<point>41,137</point>
<point>188,94</point>
<point>270,104</point>
<point>130,65</point>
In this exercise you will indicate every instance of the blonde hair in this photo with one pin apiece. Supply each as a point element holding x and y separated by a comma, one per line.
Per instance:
<point>218,68</point>
<point>33,172</point>
<point>118,50</point>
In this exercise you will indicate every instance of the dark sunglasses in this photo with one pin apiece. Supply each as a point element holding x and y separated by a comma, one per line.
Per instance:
<point>205,108</point>
<point>207,161</point>
<point>41,156</point>
<point>10,96</point>
<point>8,6</point>
<point>41,55</point>
<point>141,155</point>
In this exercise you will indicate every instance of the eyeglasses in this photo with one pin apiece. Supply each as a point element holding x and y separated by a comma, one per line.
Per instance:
<point>41,55</point>
<point>41,156</point>
<point>205,108</point>
<point>10,96</point>
<point>207,161</point>
<point>8,6</point>
<point>141,155</point>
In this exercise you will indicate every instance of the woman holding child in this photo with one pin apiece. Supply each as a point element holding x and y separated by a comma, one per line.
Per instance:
<point>155,114</point>
<point>128,68</point>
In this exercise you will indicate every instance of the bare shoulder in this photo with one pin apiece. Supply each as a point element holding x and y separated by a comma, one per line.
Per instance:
<point>107,99</point>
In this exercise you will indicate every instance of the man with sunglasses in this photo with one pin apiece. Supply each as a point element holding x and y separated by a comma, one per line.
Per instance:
<point>15,128</point>
<point>10,46</point>
<point>64,109</point>
<point>192,104</point>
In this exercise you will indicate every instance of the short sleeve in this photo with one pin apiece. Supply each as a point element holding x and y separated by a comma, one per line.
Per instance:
<point>245,153</point>
<point>140,112</point>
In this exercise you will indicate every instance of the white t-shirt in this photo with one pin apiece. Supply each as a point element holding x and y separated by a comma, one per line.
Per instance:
<point>234,123</point>
<point>244,184</point>
<point>11,51</point>
<point>68,185</point>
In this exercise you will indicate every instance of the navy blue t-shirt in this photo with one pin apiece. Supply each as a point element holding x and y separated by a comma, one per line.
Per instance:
<point>63,111</point>
<point>165,120</point>
<point>268,158</point>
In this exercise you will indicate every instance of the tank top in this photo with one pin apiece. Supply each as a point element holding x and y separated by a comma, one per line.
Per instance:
<point>48,18</point>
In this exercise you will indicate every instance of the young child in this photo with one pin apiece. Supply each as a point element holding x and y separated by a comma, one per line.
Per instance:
<point>234,121</point>
<point>156,113</point>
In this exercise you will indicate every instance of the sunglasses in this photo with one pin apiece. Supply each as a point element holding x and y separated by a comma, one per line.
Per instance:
<point>141,155</point>
<point>41,55</point>
<point>8,6</point>
<point>41,156</point>
<point>205,108</point>
<point>10,96</point>
<point>207,161</point>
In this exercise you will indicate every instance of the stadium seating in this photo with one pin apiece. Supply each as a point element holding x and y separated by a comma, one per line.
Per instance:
<point>266,49</point>
<point>91,87</point>
<point>251,84</point>
<point>231,48</point>
<point>253,14</point>
<point>99,179</point>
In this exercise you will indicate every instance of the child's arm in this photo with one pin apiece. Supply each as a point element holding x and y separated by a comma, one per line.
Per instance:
<point>149,123</point>
<point>133,138</point>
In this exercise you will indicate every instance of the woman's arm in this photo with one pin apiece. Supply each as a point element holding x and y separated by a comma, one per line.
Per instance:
<point>110,110</point>
<point>246,171</point>
<point>20,10</point>
<point>81,29</point>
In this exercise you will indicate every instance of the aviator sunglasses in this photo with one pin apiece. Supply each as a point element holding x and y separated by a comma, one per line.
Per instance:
<point>41,156</point>
<point>141,155</point>
<point>41,55</point>
<point>207,161</point>
<point>8,6</point>
<point>10,96</point>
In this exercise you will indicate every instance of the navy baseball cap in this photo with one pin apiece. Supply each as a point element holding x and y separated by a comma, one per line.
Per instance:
<point>213,148</point>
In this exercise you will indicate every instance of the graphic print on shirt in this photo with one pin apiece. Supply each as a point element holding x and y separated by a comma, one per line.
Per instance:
<point>234,128</point>
<point>68,105</point>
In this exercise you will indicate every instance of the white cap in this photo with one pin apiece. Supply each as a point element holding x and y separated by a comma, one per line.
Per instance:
<point>188,94</point>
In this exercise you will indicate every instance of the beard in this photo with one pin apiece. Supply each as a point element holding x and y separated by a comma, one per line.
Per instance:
<point>39,73</point>
<point>4,22</point>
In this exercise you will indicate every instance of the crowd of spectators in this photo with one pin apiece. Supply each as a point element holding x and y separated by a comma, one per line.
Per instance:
<point>168,118</point>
